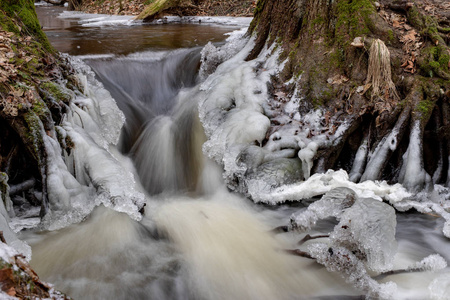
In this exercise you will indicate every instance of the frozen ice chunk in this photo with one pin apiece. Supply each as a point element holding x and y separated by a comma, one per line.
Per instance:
<point>272,174</point>
<point>213,56</point>
<point>10,238</point>
<point>319,184</point>
<point>440,287</point>
<point>332,204</point>
<point>344,262</point>
<point>368,230</point>
<point>432,262</point>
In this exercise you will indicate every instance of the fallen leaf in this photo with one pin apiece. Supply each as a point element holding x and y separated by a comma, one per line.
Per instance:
<point>396,24</point>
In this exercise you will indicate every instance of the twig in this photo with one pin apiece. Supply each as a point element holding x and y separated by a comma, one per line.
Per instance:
<point>309,237</point>
<point>396,272</point>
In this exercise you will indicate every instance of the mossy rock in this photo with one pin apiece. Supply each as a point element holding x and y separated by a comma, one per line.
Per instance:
<point>23,11</point>
<point>434,62</point>
<point>57,92</point>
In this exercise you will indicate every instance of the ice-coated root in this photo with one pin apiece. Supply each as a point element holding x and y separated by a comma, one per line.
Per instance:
<point>380,156</point>
<point>412,174</point>
<point>360,161</point>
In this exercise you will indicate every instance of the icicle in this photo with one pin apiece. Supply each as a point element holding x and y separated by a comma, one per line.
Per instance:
<point>360,161</point>
<point>412,173</point>
<point>306,155</point>
<point>379,156</point>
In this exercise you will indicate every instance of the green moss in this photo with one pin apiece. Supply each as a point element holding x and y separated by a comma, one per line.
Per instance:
<point>425,108</point>
<point>353,19</point>
<point>337,58</point>
<point>259,6</point>
<point>390,36</point>
<point>58,92</point>
<point>317,22</point>
<point>414,17</point>
<point>3,189</point>
<point>23,11</point>
<point>40,108</point>
<point>34,139</point>
<point>435,61</point>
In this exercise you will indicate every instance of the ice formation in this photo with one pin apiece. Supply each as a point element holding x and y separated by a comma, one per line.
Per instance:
<point>332,204</point>
<point>433,262</point>
<point>412,174</point>
<point>366,226</point>
<point>360,161</point>
<point>344,262</point>
<point>83,167</point>
<point>367,229</point>
<point>319,184</point>
<point>378,156</point>
<point>93,172</point>
<point>11,239</point>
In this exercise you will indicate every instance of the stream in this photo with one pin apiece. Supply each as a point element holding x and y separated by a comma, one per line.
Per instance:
<point>196,239</point>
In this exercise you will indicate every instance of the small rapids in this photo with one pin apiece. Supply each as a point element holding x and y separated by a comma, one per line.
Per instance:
<point>149,214</point>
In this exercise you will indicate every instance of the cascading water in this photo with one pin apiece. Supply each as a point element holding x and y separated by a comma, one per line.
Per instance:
<point>196,240</point>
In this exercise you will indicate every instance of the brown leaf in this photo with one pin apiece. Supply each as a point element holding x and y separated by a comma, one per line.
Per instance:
<point>396,24</point>
<point>410,36</point>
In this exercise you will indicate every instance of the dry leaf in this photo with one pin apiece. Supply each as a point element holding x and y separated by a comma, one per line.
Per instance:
<point>396,24</point>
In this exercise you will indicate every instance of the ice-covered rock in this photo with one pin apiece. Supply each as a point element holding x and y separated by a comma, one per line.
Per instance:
<point>332,204</point>
<point>274,173</point>
<point>343,261</point>
<point>432,262</point>
<point>368,230</point>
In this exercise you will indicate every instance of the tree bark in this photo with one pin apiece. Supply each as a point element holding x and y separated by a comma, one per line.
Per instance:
<point>319,40</point>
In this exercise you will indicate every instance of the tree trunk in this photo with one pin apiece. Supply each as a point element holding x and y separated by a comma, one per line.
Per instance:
<point>365,63</point>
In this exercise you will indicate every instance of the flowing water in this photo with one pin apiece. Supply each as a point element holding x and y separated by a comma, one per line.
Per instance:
<point>196,240</point>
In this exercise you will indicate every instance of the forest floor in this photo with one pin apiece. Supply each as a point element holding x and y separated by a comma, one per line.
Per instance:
<point>233,8</point>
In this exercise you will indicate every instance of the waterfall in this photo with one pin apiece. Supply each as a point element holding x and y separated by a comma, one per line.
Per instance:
<point>158,177</point>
